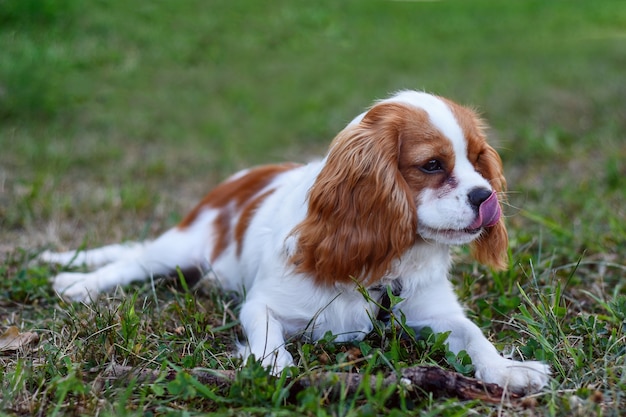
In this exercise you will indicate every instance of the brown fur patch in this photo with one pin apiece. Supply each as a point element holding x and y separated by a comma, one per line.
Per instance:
<point>235,198</point>
<point>245,218</point>
<point>238,190</point>
<point>222,225</point>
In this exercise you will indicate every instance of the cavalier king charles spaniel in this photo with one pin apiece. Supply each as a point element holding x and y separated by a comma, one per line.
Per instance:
<point>400,184</point>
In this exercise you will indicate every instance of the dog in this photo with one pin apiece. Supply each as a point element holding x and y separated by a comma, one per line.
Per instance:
<point>400,184</point>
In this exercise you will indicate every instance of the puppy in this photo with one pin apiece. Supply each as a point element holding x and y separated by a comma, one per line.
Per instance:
<point>400,184</point>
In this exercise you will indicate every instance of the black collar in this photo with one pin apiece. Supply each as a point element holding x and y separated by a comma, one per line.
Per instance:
<point>384,301</point>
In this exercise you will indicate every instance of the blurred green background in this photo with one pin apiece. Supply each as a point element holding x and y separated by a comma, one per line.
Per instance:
<point>116,116</point>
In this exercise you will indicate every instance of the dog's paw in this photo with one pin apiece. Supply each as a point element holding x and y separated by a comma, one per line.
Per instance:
<point>519,377</point>
<point>76,286</point>
<point>278,361</point>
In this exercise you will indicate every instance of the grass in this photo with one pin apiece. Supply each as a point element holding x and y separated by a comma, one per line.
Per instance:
<point>115,118</point>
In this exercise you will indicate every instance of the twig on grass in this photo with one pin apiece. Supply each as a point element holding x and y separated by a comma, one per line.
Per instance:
<point>430,379</point>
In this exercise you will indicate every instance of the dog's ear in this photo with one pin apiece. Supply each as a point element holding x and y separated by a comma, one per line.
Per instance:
<point>491,247</point>
<point>360,215</point>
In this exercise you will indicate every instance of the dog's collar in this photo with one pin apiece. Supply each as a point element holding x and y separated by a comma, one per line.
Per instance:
<point>384,301</point>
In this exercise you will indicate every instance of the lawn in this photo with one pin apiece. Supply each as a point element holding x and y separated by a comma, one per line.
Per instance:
<point>117,117</point>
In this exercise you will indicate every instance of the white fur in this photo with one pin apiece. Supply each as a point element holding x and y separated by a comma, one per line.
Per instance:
<point>280,303</point>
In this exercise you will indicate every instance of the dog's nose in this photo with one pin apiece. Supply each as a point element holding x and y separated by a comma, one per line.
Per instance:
<point>478,195</point>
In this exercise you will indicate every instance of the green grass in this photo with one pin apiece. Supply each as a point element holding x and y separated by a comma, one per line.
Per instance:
<point>117,116</point>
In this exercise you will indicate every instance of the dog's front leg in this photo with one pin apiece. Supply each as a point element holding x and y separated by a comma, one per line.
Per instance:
<point>436,306</point>
<point>520,377</point>
<point>265,336</point>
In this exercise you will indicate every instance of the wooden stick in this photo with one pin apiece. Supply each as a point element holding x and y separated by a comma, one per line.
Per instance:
<point>424,378</point>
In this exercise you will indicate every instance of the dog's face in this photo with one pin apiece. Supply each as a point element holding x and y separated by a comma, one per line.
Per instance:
<point>454,175</point>
<point>413,168</point>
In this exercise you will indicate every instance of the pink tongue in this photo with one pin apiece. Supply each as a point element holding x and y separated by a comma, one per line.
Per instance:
<point>488,213</point>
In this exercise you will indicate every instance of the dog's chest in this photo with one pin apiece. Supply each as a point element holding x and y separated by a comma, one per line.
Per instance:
<point>347,313</point>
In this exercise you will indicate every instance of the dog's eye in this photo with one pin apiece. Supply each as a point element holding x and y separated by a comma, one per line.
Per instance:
<point>431,167</point>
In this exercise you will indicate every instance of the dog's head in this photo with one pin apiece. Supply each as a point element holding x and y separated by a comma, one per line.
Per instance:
<point>414,167</point>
